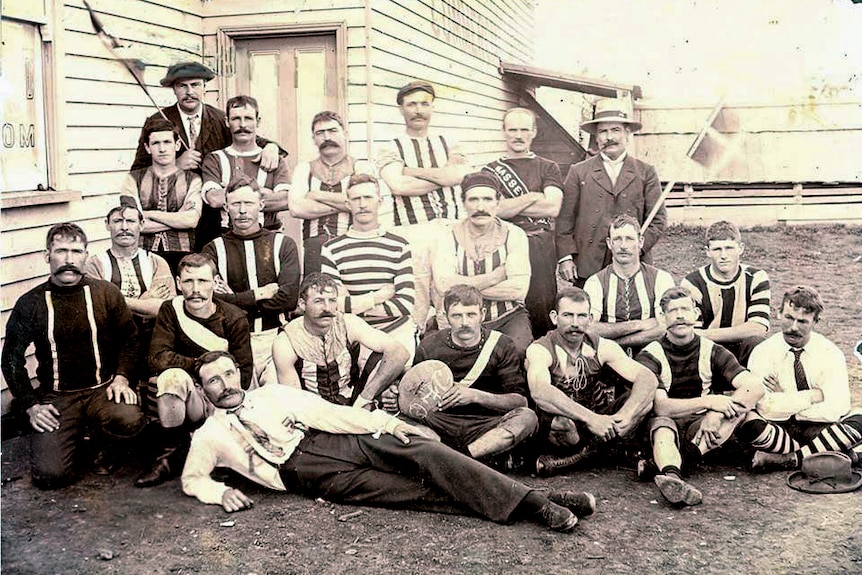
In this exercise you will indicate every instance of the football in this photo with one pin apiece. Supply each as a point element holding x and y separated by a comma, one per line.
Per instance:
<point>422,387</point>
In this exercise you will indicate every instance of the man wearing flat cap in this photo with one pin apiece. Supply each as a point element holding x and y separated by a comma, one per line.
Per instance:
<point>601,188</point>
<point>489,254</point>
<point>422,169</point>
<point>202,129</point>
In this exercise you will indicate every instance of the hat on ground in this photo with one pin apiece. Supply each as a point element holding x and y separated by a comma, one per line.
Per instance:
<point>422,387</point>
<point>611,110</point>
<point>415,86</point>
<point>481,179</point>
<point>186,70</point>
<point>826,472</point>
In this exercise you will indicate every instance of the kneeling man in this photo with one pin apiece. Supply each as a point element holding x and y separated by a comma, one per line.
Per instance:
<point>289,439</point>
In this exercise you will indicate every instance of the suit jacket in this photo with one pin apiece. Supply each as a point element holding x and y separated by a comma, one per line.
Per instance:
<point>590,202</point>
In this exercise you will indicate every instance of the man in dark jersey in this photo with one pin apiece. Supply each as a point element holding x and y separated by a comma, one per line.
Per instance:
<point>86,348</point>
<point>703,395</point>
<point>532,195</point>
<point>485,412</point>
<point>579,409</point>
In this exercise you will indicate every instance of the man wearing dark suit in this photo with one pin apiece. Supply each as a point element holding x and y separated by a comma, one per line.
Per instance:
<point>600,188</point>
<point>203,129</point>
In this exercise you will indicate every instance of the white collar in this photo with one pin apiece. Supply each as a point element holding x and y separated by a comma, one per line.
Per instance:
<point>618,161</point>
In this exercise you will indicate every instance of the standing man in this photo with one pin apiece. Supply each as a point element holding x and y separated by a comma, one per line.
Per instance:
<point>703,395</point>
<point>485,411</point>
<point>373,268</point>
<point>86,347</point>
<point>625,295</point>
<point>289,439</point>
<point>202,129</point>
<point>318,187</point>
<point>423,169</point>
<point>186,327</point>
<point>143,278</point>
<point>733,298</point>
<point>168,197</point>
<point>319,351</point>
<point>243,158</point>
<point>806,408</point>
<point>489,254</point>
<point>258,272</point>
<point>532,195</point>
<point>579,410</point>
<point>602,187</point>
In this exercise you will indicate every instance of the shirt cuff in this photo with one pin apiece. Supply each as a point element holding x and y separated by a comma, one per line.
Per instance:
<point>567,258</point>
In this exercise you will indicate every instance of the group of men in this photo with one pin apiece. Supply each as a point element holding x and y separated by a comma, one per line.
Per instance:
<point>290,368</point>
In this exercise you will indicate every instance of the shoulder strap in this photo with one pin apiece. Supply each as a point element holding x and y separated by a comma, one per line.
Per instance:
<point>195,331</point>
<point>481,361</point>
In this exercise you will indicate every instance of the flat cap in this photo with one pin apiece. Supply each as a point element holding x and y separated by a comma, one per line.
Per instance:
<point>415,86</point>
<point>187,70</point>
<point>481,179</point>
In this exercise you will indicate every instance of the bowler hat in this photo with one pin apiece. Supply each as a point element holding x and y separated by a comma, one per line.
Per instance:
<point>611,110</point>
<point>186,70</point>
<point>415,86</point>
<point>826,472</point>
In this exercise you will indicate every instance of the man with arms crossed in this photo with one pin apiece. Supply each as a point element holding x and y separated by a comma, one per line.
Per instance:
<point>289,439</point>
<point>579,411</point>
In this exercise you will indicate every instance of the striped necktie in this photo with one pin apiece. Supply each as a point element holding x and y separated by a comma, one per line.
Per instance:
<point>258,434</point>
<point>799,371</point>
<point>193,130</point>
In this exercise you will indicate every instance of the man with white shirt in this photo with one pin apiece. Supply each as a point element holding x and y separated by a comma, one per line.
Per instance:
<point>202,129</point>
<point>602,187</point>
<point>242,158</point>
<point>806,407</point>
<point>288,439</point>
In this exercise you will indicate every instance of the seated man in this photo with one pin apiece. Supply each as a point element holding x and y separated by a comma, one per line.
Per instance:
<point>373,268</point>
<point>806,407</point>
<point>703,395</point>
<point>258,272</point>
<point>319,351</point>
<point>290,439</point>
<point>489,254</point>
<point>625,295</point>
<point>86,347</point>
<point>143,277</point>
<point>733,298</point>
<point>168,197</point>
<point>579,410</point>
<point>186,327</point>
<point>485,412</point>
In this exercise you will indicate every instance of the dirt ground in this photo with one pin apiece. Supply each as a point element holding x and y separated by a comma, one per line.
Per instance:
<point>751,524</point>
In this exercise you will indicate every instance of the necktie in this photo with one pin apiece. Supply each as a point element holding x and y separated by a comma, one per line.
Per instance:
<point>799,371</point>
<point>259,434</point>
<point>193,130</point>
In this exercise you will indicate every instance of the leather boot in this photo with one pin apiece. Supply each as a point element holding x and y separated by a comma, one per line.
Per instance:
<point>550,464</point>
<point>169,462</point>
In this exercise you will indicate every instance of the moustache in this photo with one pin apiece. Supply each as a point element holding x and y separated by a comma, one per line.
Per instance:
<point>681,322</point>
<point>609,143</point>
<point>328,144</point>
<point>419,117</point>
<point>68,268</point>
<point>480,213</point>
<point>228,392</point>
<point>242,131</point>
<point>195,296</point>
<point>326,314</point>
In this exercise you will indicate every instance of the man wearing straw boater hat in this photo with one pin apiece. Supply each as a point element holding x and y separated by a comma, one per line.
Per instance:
<point>600,188</point>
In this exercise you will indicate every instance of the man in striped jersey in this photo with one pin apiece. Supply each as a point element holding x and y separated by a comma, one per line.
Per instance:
<point>489,254</point>
<point>144,279</point>
<point>625,295</point>
<point>86,347</point>
<point>580,410</point>
<point>318,352</point>
<point>373,268</point>
<point>168,196</point>
<point>188,326</point>
<point>806,408</point>
<point>243,158</point>
<point>258,272</point>
<point>733,298</point>
<point>703,395</point>
<point>423,170</point>
<point>532,195</point>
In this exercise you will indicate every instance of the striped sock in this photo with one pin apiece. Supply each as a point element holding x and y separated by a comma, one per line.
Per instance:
<point>766,436</point>
<point>841,437</point>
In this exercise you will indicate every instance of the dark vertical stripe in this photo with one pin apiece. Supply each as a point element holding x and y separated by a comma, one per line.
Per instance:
<point>136,263</point>
<point>728,298</point>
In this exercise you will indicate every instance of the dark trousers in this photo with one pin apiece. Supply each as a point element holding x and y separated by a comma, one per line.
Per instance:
<point>423,475</point>
<point>543,281</point>
<point>52,454</point>
<point>311,257</point>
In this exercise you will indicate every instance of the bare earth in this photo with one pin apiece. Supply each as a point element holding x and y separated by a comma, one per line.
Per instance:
<point>747,523</point>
